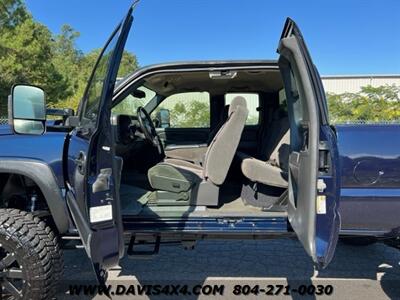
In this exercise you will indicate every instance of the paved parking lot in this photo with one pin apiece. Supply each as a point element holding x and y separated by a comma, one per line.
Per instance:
<point>370,272</point>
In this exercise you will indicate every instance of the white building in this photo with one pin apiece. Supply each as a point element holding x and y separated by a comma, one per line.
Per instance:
<point>352,83</point>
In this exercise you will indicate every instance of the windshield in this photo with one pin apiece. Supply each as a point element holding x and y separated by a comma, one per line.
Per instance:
<point>129,105</point>
<point>94,90</point>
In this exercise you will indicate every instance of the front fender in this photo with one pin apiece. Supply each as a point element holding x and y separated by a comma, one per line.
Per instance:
<point>44,177</point>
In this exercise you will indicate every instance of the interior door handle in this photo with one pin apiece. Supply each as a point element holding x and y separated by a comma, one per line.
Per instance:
<point>80,162</point>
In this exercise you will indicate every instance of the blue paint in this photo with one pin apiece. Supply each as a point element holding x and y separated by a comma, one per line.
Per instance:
<point>47,148</point>
<point>5,129</point>
<point>370,192</point>
<point>370,181</point>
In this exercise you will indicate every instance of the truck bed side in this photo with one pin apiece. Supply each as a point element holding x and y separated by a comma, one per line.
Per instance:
<point>370,179</point>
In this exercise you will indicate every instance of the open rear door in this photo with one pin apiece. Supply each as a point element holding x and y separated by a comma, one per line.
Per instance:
<point>93,176</point>
<point>314,184</point>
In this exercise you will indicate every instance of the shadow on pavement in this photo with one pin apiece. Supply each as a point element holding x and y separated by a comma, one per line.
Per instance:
<point>276,260</point>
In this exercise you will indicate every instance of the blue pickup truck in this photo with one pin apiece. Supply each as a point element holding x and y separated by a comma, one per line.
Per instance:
<point>180,152</point>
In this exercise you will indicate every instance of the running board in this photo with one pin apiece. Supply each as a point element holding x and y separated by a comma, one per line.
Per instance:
<point>208,225</point>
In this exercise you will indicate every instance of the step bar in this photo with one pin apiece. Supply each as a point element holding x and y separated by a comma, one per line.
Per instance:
<point>201,225</point>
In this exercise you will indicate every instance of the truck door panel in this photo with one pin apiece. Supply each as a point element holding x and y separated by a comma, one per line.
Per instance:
<point>93,170</point>
<point>313,174</point>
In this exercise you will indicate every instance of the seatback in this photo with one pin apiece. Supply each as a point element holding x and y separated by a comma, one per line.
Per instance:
<point>275,145</point>
<point>223,147</point>
<point>223,118</point>
<point>280,154</point>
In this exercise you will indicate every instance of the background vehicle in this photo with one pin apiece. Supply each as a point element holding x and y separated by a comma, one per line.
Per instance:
<point>260,161</point>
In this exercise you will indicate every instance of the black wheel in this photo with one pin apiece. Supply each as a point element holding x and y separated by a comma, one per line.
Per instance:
<point>358,241</point>
<point>30,259</point>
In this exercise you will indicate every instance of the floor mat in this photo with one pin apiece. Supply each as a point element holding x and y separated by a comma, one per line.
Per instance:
<point>236,205</point>
<point>136,179</point>
<point>132,199</point>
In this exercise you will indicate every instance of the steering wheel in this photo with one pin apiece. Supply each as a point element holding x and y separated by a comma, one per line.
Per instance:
<point>148,129</point>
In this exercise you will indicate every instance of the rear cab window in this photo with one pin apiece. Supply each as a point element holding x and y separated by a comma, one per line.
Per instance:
<point>253,102</point>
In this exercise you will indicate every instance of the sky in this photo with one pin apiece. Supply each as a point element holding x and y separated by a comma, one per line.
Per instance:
<point>343,36</point>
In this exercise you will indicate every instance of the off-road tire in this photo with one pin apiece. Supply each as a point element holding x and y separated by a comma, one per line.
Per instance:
<point>36,249</point>
<point>50,239</point>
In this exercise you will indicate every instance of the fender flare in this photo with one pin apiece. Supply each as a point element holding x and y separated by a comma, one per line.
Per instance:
<point>43,176</point>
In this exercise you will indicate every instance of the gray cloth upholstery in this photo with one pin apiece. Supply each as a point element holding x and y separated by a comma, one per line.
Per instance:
<point>280,154</point>
<point>196,154</point>
<point>175,175</point>
<point>172,176</point>
<point>222,149</point>
<point>183,164</point>
<point>264,172</point>
<point>223,118</point>
<point>273,134</point>
<point>272,167</point>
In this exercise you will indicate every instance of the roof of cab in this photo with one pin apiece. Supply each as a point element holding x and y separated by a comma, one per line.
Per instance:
<point>206,64</point>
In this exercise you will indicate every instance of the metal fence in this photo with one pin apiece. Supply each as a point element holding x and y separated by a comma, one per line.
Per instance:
<point>366,122</point>
<point>4,121</point>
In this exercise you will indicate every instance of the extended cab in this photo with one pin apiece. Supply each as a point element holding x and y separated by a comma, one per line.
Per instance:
<point>186,151</point>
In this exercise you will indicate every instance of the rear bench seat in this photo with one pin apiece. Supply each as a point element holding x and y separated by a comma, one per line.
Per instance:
<point>267,175</point>
<point>271,172</point>
<point>271,165</point>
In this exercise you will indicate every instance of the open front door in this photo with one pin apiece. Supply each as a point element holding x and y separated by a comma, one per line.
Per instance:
<point>313,161</point>
<point>93,169</point>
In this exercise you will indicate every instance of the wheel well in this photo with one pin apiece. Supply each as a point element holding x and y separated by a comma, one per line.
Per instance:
<point>21,192</point>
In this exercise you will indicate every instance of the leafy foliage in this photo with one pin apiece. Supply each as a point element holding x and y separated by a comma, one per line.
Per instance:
<point>188,110</point>
<point>26,57</point>
<point>30,53</point>
<point>370,104</point>
<point>12,13</point>
<point>190,115</point>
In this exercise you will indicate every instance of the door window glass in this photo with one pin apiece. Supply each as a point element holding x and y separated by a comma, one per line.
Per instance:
<point>94,90</point>
<point>184,110</point>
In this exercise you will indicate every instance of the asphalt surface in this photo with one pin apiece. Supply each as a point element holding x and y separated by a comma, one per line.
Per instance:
<point>368,272</point>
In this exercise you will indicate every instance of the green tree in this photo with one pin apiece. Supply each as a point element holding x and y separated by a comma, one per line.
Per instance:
<point>83,66</point>
<point>27,58</point>
<point>371,104</point>
<point>30,53</point>
<point>67,58</point>
<point>190,114</point>
<point>12,13</point>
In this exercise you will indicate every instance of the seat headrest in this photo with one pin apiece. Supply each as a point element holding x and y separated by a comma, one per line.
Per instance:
<point>238,101</point>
